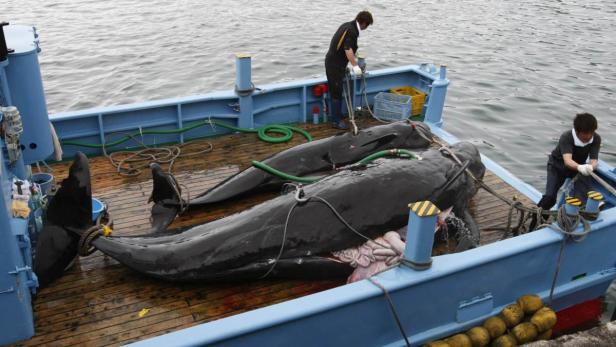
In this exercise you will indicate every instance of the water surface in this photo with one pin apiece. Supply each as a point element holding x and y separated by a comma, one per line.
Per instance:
<point>520,70</point>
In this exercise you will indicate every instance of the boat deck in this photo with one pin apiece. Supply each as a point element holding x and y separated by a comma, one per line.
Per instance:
<point>100,302</point>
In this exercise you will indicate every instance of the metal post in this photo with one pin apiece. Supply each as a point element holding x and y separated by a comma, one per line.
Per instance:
<point>244,89</point>
<point>420,234</point>
<point>572,205</point>
<point>594,199</point>
<point>436,102</point>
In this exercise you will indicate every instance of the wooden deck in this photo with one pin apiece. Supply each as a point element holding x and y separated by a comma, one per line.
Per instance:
<point>98,302</point>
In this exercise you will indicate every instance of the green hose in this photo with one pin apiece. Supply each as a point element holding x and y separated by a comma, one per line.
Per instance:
<point>285,130</point>
<point>402,153</point>
<point>283,175</point>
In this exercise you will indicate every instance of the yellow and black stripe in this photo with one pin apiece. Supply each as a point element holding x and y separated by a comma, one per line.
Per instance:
<point>573,201</point>
<point>595,195</point>
<point>341,40</point>
<point>424,208</point>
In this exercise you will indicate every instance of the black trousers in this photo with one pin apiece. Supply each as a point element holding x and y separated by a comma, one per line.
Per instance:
<point>555,180</point>
<point>335,78</point>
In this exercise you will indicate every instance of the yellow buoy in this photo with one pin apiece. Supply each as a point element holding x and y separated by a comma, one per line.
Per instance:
<point>544,319</point>
<point>530,303</point>
<point>459,340</point>
<point>512,315</point>
<point>524,332</point>
<point>505,341</point>
<point>480,336</point>
<point>546,335</point>
<point>495,326</point>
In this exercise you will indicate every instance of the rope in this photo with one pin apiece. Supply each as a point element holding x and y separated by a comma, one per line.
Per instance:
<point>85,247</point>
<point>367,104</point>
<point>148,155</point>
<point>349,103</point>
<point>301,199</point>
<point>261,132</point>
<point>516,204</point>
<point>392,309</point>
<point>566,226</point>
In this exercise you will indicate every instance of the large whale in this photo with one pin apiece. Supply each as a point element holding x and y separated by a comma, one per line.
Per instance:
<point>298,234</point>
<point>318,156</point>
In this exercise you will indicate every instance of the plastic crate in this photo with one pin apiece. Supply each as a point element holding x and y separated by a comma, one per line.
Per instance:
<point>391,106</point>
<point>418,98</point>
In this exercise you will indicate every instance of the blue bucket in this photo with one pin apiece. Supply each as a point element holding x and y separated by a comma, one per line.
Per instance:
<point>97,208</point>
<point>44,180</point>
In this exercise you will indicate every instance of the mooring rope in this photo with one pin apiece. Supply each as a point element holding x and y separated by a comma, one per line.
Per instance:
<point>99,228</point>
<point>566,226</point>
<point>349,104</point>
<point>392,309</point>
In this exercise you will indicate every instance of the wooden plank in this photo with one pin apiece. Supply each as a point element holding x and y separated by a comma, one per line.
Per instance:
<point>97,301</point>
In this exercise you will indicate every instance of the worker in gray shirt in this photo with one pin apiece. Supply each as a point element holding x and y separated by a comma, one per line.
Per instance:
<point>570,157</point>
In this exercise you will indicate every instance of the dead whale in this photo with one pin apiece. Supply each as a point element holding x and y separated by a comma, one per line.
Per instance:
<point>318,156</point>
<point>296,235</point>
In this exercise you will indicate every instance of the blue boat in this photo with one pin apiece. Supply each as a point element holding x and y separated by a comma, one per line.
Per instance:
<point>397,307</point>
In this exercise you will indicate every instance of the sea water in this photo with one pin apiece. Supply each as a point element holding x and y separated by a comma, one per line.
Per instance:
<point>520,70</point>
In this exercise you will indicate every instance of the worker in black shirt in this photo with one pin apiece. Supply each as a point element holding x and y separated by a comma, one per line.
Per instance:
<point>342,51</point>
<point>569,158</point>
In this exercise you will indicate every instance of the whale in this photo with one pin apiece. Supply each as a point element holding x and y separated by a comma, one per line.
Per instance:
<point>298,234</point>
<point>319,156</point>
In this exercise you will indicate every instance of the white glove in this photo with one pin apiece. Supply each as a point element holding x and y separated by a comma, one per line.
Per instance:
<point>585,169</point>
<point>356,70</point>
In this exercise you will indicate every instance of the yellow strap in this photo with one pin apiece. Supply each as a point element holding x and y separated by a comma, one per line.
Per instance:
<point>341,39</point>
<point>107,230</point>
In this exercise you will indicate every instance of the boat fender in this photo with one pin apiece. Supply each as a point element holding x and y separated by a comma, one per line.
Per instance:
<point>512,315</point>
<point>546,335</point>
<point>544,319</point>
<point>505,341</point>
<point>495,326</point>
<point>525,332</point>
<point>530,303</point>
<point>480,336</point>
<point>459,340</point>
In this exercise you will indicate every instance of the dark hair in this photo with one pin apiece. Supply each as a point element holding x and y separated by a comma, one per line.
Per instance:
<point>584,123</point>
<point>364,17</point>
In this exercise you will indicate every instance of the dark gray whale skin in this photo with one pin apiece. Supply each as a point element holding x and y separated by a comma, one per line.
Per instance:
<point>318,156</point>
<point>69,214</point>
<point>373,198</point>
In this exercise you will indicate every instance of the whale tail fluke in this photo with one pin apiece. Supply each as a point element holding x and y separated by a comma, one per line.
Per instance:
<point>167,198</point>
<point>69,211</point>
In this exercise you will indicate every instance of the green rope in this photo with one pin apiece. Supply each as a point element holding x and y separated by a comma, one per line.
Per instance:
<point>285,130</point>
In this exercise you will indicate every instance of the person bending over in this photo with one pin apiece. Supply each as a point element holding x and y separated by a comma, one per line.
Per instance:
<point>342,49</point>
<point>570,157</point>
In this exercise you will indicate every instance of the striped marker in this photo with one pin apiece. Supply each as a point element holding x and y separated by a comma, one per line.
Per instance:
<point>420,234</point>
<point>572,205</point>
<point>594,199</point>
